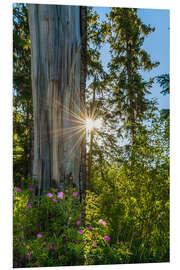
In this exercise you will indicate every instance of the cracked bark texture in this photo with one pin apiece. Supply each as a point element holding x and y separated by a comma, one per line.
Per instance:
<point>58,83</point>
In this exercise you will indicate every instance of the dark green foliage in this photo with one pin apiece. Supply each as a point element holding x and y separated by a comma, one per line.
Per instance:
<point>22,96</point>
<point>164,82</point>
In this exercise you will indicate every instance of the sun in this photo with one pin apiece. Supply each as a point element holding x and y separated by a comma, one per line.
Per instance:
<point>91,124</point>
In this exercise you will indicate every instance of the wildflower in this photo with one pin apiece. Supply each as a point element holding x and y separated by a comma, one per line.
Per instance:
<point>18,189</point>
<point>31,188</point>
<point>90,228</point>
<point>50,195</point>
<point>28,205</point>
<point>39,235</point>
<point>80,216</point>
<point>29,253</point>
<point>60,195</point>
<point>81,232</point>
<point>106,238</point>
<point>102,222</point>
<point>94,245</point>
<point>25,216</point>
<point>54,200</point>
<point>51,247</point>
<point>28,247</point>
<point>75,194</point>
<point>78,222</point>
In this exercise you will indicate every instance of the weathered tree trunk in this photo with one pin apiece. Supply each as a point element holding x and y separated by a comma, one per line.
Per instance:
<point>55,33</point>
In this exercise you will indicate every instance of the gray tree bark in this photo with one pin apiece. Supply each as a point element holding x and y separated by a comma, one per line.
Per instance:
<point>58,83</point>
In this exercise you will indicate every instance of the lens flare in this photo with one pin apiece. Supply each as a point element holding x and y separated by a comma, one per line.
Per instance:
<point>91,124</point>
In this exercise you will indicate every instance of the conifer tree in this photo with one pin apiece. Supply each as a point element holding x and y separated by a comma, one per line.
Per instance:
<point>126,34</point>
<point>22,95</point>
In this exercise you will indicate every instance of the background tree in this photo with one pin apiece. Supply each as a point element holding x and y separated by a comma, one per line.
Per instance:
<point>22,96</point>
<point>95,79</point>
<point>164,82</point>
<point>102,142</point>
<point>126,34</point>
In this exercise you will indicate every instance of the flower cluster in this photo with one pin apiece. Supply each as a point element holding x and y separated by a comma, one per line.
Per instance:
<point>60,195</point>
<point>102,222</point>
<point>44,240</point>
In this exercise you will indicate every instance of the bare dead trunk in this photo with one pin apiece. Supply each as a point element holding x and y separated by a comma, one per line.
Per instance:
<point>56,75</point>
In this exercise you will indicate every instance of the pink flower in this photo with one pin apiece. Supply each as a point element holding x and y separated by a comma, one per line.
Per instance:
<point>78,222</point>
<point>28,205</point>
<point>75,194</point>
<point>50,195</point>
<point>51,246</point>
<point>90,228</point>
<point>60,195</point>
<point>39,235</point>
<point>106,238</point>
<point>102,222</point>
<point>54,200</point>
<point>81,232</point>
<point>94,245</point>
<point>29,253</point>
<point>18,189</point>
<point>31,188</point>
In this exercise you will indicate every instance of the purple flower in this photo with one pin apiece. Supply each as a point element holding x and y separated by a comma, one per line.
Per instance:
<point>28,205</point>
<point>60,195</point>
<point>90,228</point>
<point>80,216</point>
<point>106,238</point>
<point>78,222</point>
<point>54,200</point>
<point>50,195</point>
<point>18,189</point>
<point>39,235</point>
<point>51,247</point>
<point>75,194</point>
<point>31,188</point>
<point>81,232</point>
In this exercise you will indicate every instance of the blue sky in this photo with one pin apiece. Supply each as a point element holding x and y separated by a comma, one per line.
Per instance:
<point>156,44</point>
